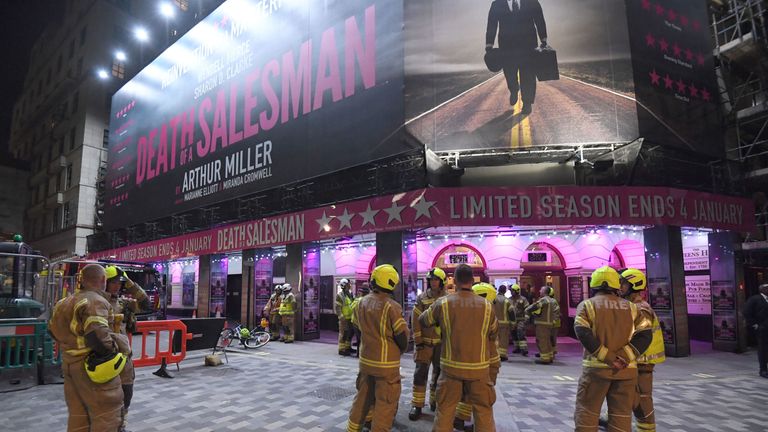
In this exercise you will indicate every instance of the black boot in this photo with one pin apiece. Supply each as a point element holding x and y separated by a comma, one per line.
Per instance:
<point>415,414</point>
<point>516,351</point>
<point>458,424</point>
<point>432,406</point>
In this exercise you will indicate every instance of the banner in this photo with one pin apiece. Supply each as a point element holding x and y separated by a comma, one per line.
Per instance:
<point>257,95</point>
<point>262,278</point>
<point>423,208</point>
<point>188,289</point>
<point>699,294</point>
<point>310,292</point>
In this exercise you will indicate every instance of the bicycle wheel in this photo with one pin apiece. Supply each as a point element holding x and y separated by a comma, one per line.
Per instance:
<point>257,339</point>
<point>225,339</point>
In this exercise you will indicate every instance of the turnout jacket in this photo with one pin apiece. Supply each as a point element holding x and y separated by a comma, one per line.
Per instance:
<point>380,320</point>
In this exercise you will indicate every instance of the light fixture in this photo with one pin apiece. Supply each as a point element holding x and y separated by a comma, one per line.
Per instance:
<point>166,10</point>
<point>141,34</point>
<point>101,73</point>
<point>120,56</point>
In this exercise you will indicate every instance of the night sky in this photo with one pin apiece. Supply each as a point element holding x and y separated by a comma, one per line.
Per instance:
<point>21,22</point>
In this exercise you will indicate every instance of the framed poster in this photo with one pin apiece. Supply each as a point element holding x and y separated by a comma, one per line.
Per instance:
<point>724,323</point>
<point>723,296</point>
<point>218,302</point>
<point>660,294</point>
<point>188,289</point>
<point>667,324</point>
<point>575,291</point>
<point>699,294</point>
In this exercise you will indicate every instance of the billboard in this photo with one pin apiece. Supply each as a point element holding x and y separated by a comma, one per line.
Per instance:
<point>257,95</point>
<point>627,69</point>
<point>453,102</point>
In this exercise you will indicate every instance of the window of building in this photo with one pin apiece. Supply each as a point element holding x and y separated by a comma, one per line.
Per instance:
<point>58,182</point>
<point>83,32</point>
<point>79,66</point>
<point>68,215</point>
<point>182,4</point>
<point>72,134</point>
<point>105,139</point>
<point>118,69</point>
<point>71,48</point>
<point>68,178</point>
<point>75,102</point>
<point>56,220</point>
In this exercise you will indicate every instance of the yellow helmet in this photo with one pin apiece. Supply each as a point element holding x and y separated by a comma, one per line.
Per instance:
<point>437,273</point>
<point>484,289</point>
<point>112,272</point>
<point>515,287</point>
<point>634,277</point>
<point>385,277</point>
<point>605,277</point>
<point>103,369</point>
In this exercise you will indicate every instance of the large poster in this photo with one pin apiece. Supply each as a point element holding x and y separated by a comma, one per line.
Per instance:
<point>188,289</point>
<point>723,296</point>
<point>575,293</point>
<point>262,275</point>
<point>674,70</point>
<point>257,95</point>
<point>699,294</point>
<point>453,101</point>
<point>310,291</point>
<point>659,293</point>
<point>218,301</point>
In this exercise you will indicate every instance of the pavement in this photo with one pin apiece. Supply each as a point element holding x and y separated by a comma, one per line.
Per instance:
<point>306,386</point>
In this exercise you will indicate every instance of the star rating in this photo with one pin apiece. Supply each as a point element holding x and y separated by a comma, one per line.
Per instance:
<point>324,223</point>
<point>668,82</point>
<point>650,40</point>
<point>393,213</point>
<point>688,54</point>
<point>694,91</point>
<point>659,10</point>
<point>345,219</point>
<point>663,45</point>
<point>681,86</point>
<point>671,15</point>
<point>705,95</point>
<point>646,4</point>
<point>684,20</point>
<point>676,50</point>
<point>369,216</point>
<point>700,59</point>
<point>654,77</point>
<point>422,208</point>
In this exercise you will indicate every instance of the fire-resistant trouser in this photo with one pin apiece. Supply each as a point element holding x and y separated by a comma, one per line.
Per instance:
<point>381,394</point>
<point>92,407</point>
<point>464,410</point>
<point>424,356</point>
<point>597,385</point>
<point>520,341</point>
<point>345,335</point>
<point>553,339</point>
<point>543,342</point>
<point>127,377</point>
<point>274,325</point>
<point>644,412</point>
<point>287,322</point>
<point>504,341</point>
<point>480,394</point>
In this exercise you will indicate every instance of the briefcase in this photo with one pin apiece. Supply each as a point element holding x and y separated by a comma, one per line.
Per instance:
<point>546,64</point>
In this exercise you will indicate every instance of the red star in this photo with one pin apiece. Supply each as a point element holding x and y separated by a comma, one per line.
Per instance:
<point>668,82</point>
<point>688,54</point>
<point>676,49</point>
<point>696,25</point>
<point>659,10</point>
<point>694,91</point>
<point>650,40</point>
<point>684,20</point>
<point>700,58</point>
<point>224,20</point>
<point>681,86</point>
<point>705,94</point>
<point>664,45</point>
<point>647,4</point>
<point>671,15</point>
<point>654,77</point>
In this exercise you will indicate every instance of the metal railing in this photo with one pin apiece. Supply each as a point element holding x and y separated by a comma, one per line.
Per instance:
<point>744,19</point>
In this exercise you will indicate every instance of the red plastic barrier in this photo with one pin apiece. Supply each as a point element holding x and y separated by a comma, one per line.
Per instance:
<point>142,358</point>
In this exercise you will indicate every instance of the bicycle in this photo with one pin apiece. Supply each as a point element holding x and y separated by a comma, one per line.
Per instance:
<point>248,338</point>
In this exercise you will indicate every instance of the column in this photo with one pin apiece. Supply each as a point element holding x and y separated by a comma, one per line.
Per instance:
<point>666,286</point>
<point>218,286</point>
<point>302,271</point>
<point>728,297</point>
<point>247,291</point>
<point>263,284</point>
<point>203,285</point>
<point>399,250</point>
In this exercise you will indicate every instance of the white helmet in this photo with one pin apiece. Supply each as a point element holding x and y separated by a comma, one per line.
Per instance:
<point>344,283</point>
<point>278,288</point>
<point>287,288</point>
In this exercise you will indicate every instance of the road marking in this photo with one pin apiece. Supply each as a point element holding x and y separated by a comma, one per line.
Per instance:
<point>451,99</point>
<point>559,378</point>
<point>564,378</point>
<point>703,375</point>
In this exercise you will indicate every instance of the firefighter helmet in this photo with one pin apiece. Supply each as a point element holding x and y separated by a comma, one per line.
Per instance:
<point>605,277</point>
<point>385,277</point>
<point>113,272</point>
<point>635,278</point>
<point>103,369</point>
<point>287,288</point>
<point>437,273</point>
<point>278,288</point>
<point>344,283</point>
<point>484,289</point>
<point>515,288</point>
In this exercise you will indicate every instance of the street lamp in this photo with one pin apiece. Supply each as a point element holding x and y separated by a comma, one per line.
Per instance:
<point>141,34</point>
<point>166,10</point>
<point>102,74</point>
<point>120,56</point>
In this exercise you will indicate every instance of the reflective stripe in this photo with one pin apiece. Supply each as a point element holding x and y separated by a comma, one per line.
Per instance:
<point>380,364</point>
<point>447,323</point>
<point>581,322</point>
<point>630,353</point>
<point>383,332</point>
<point>95,319</point>
<point>78,352</point>
<point>590,313</point>
<point>398,325</point>
<point>602,352</point>
<point>484,331</point>
<point>73,324</point>
<point>592,362</point>
<point>463,365</point>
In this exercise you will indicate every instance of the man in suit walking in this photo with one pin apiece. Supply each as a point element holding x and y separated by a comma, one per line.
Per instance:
<point>517,23</point>
<point>756,313</point>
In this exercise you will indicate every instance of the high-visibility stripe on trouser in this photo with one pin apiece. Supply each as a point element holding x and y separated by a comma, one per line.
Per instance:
<point>643,409</point>
<point>521,341</point>
<point>504,341</point>
<point>380,394</point>
<point>478,393</point>
<point>596,386</point>
<point>463,411</point>
<point>287,321</point>
<point>345,336</point>
<point>543,342</point>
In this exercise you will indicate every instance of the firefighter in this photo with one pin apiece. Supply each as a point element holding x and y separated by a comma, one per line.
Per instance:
<point>427,343</point>
<point>343,310</point>
<point>272,309</point>
<point>463,410</point>
<point>519,304</point>
<point>125,309</point>
<point>287,310</point>
<point>504,310</point>
<point>93,356</point>
<point>555,321</point>
<point>544,311</point>
<point>633,283</point>
<point>364,290</point>
<point>469,332</point>
<point>613,333</point>
<point>385,337</point>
